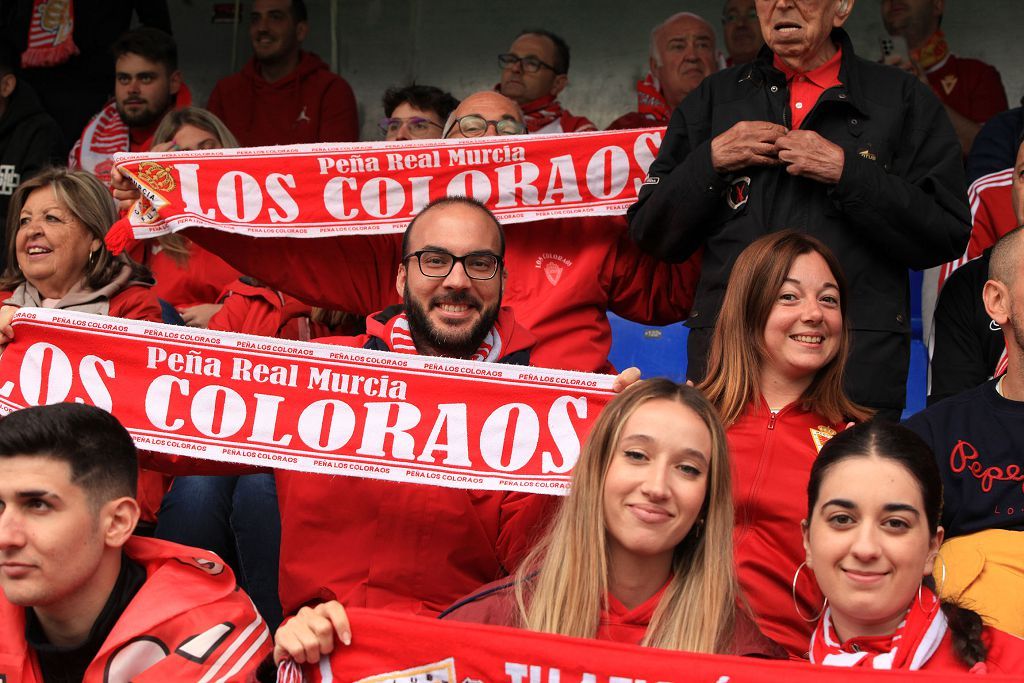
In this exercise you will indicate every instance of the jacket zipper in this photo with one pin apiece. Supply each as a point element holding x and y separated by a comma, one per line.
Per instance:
<point>771,420</point>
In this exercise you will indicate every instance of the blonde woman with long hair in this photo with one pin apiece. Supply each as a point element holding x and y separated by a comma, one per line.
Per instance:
<point>775,374</point>
<point>640,551</point>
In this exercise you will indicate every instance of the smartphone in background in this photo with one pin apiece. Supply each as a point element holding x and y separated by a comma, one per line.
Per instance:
<point>894,45</point>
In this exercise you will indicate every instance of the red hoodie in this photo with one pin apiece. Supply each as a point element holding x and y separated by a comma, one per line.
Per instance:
<point>188,622</point>
<point>311,104</point>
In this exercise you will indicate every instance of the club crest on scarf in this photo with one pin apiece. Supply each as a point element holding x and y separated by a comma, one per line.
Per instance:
<point>437,672</point>
<point>739,192</point>
<point>553,266</point>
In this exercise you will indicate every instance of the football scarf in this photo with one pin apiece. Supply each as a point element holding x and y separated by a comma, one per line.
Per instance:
<point>50,31</point>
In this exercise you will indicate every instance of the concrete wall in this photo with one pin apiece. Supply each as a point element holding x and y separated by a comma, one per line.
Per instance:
<point>454,44</point>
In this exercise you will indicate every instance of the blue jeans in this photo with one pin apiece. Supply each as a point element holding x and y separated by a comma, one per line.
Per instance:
<point>237,518</point>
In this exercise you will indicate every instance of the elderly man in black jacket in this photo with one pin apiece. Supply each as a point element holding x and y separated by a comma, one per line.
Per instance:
<point>814,138</point>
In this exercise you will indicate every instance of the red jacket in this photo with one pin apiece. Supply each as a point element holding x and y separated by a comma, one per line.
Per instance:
<point>970,87</point>
<point>495,605</point>
<point>771,457</point>
<point>311,104</point>
<point>199,281</point>
<point>1005,654</point>
<point>251,308</point>
<point>564,277</point>
<point>403,547</point>
<point>992,215</point>
<point>189,621</point>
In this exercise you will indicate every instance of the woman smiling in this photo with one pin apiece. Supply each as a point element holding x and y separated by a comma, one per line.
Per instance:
<point>775,373</point>
<point>640,551</point>
<point>872,538</point>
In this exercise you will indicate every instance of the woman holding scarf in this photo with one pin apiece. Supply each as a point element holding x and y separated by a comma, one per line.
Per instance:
<point>775,374</point>
<point>872,540</point>
<point>56,258</point>
<point>640,551</point>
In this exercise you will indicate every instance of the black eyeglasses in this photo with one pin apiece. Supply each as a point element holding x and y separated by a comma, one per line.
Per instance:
<point>531,65</point>
<point>479,265</point>
<point>474,126</point>
<point>732,17</point>
<point>419,127</point>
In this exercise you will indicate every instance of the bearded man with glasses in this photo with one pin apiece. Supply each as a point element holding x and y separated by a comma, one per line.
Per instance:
<point>533,72</point>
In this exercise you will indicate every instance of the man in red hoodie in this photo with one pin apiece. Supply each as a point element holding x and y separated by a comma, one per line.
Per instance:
<point>284,95</point>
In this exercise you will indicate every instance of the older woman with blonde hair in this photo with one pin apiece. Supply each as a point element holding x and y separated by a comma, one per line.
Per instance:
<point>56,258</point>
<point>775,374</point>
<point>640,551</point>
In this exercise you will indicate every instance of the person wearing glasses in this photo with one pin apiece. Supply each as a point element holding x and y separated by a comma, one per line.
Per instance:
<point>415,112</point>
<point>533,72</point>
<point>741,31</point>
<point>410,547</point>
<point>682,54</point>
<point>570,272</point>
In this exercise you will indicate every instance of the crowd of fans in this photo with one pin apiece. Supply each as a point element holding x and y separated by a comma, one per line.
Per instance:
<point>796,185</point>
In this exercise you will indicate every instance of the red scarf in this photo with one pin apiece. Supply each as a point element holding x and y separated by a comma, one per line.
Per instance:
<point>398,338</point>
<point>916,639</point>
<point>933,52</point>
<point>649,100</point>
<point>50,31</point>
<point>542,112</point>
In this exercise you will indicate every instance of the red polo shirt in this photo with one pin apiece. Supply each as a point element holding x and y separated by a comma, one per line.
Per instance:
<point>805,87</point>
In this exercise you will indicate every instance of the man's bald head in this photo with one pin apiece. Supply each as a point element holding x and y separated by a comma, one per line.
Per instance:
<point>682,55</point>
<point>489,104</point>
<point>1006,259</point>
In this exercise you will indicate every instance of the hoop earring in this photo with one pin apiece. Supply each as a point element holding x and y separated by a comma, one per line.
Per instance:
<point>938,589</point>
<point>796,605</point>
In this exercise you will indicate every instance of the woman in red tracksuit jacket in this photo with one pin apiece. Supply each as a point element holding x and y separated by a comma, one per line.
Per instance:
<point>640,551</point>
<point>775,373</point>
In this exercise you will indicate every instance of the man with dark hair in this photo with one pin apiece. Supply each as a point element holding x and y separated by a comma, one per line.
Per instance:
<point>533,72</point>
<point>415,112</point>
<point>682,54</point>
<point>29,137</point>
<point>284,95</point>
<point>147,85</point>
<point>81,597</point>
<point>970,89</point>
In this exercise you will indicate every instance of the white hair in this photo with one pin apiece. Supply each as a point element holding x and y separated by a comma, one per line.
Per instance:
<point>655,55</point>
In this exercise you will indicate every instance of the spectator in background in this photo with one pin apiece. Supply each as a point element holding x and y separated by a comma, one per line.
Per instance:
<point>741,31</point>
<point>188,277</point>
<point>284,95</point>
<point>415,112</point>
<point>876,175</point>
<point>978,438</point>
<point>970,89</point>
<point>74,83</point>
<point>147,85</point>
<point>29,137</point>
<point>682,54</point>
<point>533,72</point>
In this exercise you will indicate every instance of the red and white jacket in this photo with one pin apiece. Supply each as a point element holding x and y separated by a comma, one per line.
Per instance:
<point>188,622</point>
<point>564,277</point>
<point>771,459</point>
<point>992,216</point>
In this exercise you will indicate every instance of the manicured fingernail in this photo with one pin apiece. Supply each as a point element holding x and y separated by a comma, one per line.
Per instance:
<point>346,638</point>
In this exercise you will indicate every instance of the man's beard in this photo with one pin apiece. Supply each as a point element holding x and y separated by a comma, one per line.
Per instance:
<point>455,344</point>
<point>145,117</point>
